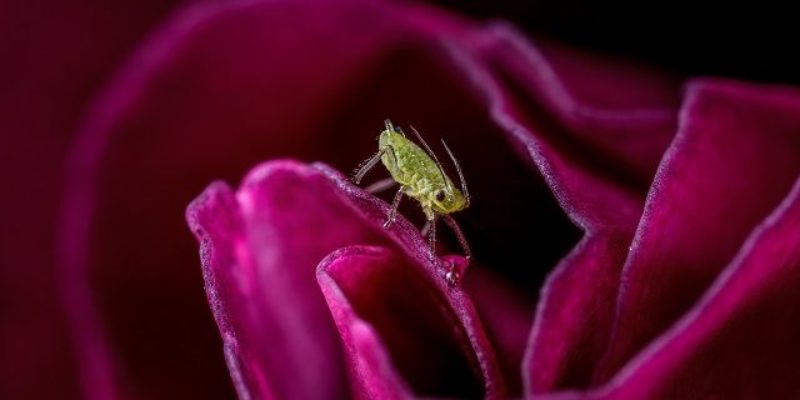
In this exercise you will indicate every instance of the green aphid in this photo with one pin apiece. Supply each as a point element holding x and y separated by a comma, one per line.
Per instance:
<point>421,177</point>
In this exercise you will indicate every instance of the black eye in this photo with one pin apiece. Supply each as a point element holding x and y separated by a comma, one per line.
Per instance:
<point>440,196</point>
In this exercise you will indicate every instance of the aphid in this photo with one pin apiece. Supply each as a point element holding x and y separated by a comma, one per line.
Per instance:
<point>421,177</point>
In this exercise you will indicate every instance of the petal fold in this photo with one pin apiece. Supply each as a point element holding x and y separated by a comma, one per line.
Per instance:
<point>260,247</point>
<point>740,340</point>
<point>732,162</point>
<point>377,296</point>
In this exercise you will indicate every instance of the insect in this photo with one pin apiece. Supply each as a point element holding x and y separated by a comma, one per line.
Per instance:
<point>421,177</point>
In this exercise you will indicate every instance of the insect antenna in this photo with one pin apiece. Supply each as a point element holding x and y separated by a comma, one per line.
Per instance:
<point>431,153</point>
<point>460,172</point>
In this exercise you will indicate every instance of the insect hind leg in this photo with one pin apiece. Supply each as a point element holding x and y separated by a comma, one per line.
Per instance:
<point>462,240</point>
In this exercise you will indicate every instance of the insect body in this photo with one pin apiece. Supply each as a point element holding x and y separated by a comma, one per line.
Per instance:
<point>421,177</point>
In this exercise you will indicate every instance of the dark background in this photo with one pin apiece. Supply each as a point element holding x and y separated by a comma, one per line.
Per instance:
<point>745,40</point>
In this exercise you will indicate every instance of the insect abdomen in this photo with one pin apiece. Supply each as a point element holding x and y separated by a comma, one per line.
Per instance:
<point>408,164</point>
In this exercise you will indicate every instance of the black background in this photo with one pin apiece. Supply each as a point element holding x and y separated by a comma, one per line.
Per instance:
<point>749,40</point>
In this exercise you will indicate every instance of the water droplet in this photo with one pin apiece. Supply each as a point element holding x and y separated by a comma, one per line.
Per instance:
<point>452,277</point>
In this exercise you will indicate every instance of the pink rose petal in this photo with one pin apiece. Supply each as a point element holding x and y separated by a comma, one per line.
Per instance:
<point>260,249</point>
<point>465,325</point>
<point>55,55</point>
<point>733,160</point>
<point>373,289</point>
<point>371,371</point>
<point>258,260</point>
<point>740,340</point>
<point>597,161</point>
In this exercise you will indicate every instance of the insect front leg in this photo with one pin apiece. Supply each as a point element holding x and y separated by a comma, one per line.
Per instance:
<point>366,166</point>
<point>393,211</point>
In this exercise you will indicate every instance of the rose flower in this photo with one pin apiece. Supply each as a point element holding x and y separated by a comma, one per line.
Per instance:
<point>635,233</point>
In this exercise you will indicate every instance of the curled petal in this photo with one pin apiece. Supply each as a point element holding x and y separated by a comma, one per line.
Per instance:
<point>259,249</point>
<point>740,340</point>
<point>597,155</point>
<point>376,296</point>
<point>733,160</point>
<point>463,338</point>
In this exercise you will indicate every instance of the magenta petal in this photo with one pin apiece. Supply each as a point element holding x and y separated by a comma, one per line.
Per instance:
<point>575,315</point>
<point>598,158</point>
<point>611,118</point>
<point>507,313</point>
<point>372,374</point>
<point>425,283</point>
<point>214,219</point>
<point>733,160</point>
<point>740,340</point>
<point>56,54</point>
<point>259,250</point>
<point>374,292</point>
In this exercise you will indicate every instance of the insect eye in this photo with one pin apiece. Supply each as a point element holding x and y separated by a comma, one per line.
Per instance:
<point>440,195</point>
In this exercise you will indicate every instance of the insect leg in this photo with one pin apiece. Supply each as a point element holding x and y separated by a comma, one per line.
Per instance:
<point>366,166</point>
<point>393,211</point>
<point>432,236</point>
<point>426,229</point>
<point>381,185</point>
<point>460,235</point>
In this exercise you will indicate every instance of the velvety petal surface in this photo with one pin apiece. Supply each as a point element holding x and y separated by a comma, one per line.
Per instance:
<point>259,256</point>
<point>372,289</point>
<point>732,162</point>
<point>370,368</point>
<point>437,368</point>
<point>740,340</point>
<point>260,248</point>
<point>55,55</point>
<point>597,157</point>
